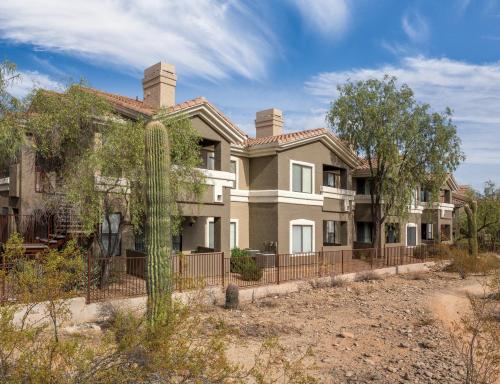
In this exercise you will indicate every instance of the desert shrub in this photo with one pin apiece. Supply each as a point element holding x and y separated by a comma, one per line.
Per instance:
<point>339,281</point>
<point>465,265</point>
<point>477,336</point>
<point>440,251</point>
<point>487,263</point>
<point>368,276</point>
<point>250,271</point>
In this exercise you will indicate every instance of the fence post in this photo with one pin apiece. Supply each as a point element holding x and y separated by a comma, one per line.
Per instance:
<point>342,261</point>
<point>277,264</point>
<point>223,272</point>
<point>89,269</point>
<point>180,271</point>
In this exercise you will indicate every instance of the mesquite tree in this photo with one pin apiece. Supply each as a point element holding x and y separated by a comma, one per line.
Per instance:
<point>158,231</point>
<point>404,144</point>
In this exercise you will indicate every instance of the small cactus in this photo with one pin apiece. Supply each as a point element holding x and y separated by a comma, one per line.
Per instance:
<point>232,296</point>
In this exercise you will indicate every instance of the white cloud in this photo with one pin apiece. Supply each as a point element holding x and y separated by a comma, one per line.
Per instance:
<point>207,38</point>
<point>471,90</point>
<point>29,80</point>
<point>415,26</point>
<point>329,17</point>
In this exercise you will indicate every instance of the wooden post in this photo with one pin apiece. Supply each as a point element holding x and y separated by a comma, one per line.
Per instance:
<point>180,271</point>
<point>223,271</point>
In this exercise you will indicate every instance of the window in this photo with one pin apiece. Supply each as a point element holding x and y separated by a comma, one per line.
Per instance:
<point>411,235</point>
<point>233,234</point>
<point>392,233</point>
<point>332,232</point>
<point>362,186</point>
<point>331,179</point>
<point>211,237</point>
<point>302,238</point>
<point>363,232</point>
<point>302,178</point>
<point>210,160</point>
<point>110,235</point>
<point>427,231</point>
<point>425,196</point>
<point>233,169</point>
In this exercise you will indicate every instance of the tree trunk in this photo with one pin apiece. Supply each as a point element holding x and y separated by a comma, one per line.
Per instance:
<point>158,234</point>
<point>471,211</point>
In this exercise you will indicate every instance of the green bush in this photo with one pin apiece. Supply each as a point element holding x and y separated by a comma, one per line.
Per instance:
<point>238,258</point>
<point>243,264</point>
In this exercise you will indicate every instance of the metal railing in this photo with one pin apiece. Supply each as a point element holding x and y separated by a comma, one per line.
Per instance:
<point>124,276</point>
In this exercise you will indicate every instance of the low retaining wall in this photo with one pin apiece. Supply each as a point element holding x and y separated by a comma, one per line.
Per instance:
<point>80,312</point>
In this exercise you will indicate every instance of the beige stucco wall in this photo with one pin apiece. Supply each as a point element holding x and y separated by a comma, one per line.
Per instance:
<point>240,212</point>
<point>315,153</point>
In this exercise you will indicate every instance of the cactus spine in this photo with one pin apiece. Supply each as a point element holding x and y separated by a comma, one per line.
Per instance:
<point>158,235</point>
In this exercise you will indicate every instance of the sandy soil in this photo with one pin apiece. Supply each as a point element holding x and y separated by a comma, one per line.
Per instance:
<point>386,331</point>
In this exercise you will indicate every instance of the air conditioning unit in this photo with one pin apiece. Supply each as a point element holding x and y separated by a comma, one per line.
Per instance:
<point>218,194</point>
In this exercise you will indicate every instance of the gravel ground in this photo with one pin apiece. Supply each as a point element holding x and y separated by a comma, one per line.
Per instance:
<point>394,330</point>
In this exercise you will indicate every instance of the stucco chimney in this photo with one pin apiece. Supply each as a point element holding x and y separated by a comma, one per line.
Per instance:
<point>159,85</point>
<point>269,122</point>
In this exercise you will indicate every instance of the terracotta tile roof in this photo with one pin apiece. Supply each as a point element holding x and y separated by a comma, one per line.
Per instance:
<point>461,195</point>
<point>287,137</point>
<point>126,102</point>
<point>365,164</point>
<point>140,106</point>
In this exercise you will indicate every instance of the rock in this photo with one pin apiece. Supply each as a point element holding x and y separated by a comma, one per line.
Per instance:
<point>346,335</point>
<point>428,374</point>
<point>349,374</point>
<point>406,376</point>
<point>392,369</point>
<point>404,345</point>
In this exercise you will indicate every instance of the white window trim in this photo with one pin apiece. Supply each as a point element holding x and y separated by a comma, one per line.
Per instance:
<point>207,231</point>
<point>416,233</point>
<point>237,174</point>
<point>237,240</point>
<point>311,165</point>
<point>212,220</point>
<point>301,222</point>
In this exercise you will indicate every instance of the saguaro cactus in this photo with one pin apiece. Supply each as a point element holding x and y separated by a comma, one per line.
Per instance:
<point>158,236</point>
<point>471,212</point>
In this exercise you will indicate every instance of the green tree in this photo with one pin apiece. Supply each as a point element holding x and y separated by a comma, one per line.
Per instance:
<point>94,159</point>
<point>404,144</point>
<point>487,215</point>
<point>11,137</point>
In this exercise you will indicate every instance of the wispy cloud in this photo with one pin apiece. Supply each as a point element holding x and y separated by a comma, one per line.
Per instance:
<point>415,26</point>
<point>206,38</point>
<point>471,90</point>
<point>29,80</point>
<point>329,17</point>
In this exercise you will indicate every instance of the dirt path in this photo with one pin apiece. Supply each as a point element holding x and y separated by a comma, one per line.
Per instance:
<point>450,305</point>
<point>382,331</point>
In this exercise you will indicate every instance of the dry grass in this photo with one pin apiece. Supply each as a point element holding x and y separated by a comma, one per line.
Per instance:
<point>368,276</point>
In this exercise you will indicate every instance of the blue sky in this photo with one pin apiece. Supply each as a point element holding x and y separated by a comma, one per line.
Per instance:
<point>288,54</point>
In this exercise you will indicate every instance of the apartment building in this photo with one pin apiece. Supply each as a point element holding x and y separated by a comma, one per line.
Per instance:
<point>288,192</point>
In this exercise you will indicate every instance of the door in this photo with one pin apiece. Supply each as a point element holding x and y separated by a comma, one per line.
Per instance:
<point>411,236</point>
